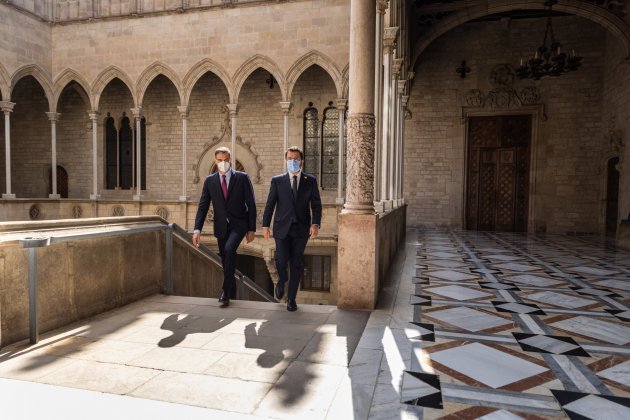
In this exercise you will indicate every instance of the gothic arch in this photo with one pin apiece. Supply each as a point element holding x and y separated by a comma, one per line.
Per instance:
<point>5,84</point>
<point>65,78</point>
<point>103,79</point>
<point>309,59</point>
<point>198,70</point>
<point>591,12</point>
<point>38,74</point>
<point>151,73</point>
<point>248,67</point>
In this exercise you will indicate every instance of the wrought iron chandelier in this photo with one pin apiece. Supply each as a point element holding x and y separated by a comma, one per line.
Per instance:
<point>549,60</point>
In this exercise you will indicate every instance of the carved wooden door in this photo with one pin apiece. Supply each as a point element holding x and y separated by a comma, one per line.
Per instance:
<point>498,173</point>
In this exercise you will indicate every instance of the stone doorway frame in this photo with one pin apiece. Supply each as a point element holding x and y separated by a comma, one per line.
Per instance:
<point>537,113</point>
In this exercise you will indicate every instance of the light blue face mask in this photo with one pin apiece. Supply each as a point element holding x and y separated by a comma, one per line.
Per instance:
<point>293,165</point>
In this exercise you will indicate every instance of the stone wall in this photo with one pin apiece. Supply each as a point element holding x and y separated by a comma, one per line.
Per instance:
<point>567,150</point>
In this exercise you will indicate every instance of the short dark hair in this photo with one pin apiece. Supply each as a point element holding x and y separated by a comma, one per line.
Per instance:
<point>294,149</point>
<point>222,149</point>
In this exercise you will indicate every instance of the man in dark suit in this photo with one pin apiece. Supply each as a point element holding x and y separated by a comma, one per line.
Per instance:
<point>232,197</point>
<point>295,196</point>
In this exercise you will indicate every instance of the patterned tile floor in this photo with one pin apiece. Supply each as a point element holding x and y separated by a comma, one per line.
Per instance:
<point>516,326</point>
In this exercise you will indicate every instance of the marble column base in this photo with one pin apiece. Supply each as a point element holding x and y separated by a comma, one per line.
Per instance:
<point>8,196</point>
<point>357,252</point>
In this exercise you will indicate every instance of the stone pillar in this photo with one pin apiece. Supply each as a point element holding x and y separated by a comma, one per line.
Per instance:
<point>233,109</point>
<point>53,117</point>
<point>389,46</point>
<point>183,112</point>
<point>341,108</point>
<point>94,117</point>
<point>403,115</point>
<point>393,130</point>
<point>381,7</point>
<point>358,247</point>
<point>7,108</point>
<point>286,108</point>
<point>137,115</point>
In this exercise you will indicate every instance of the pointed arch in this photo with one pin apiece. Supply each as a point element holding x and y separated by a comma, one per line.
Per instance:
<point>249,66</point>
<point>314,58</point>
<point>38,74</point>
<point>606,19</point>
<point>64,79</point>
<point>5,84</point>
<point>198,70</point>
<point>150,73</point>
<point>103,79</point>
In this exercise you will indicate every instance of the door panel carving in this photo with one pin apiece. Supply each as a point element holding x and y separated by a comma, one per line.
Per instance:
<point>498,173</point>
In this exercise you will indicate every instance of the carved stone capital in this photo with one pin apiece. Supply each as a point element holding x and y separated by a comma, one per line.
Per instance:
<point>396,66</point>
<point>94,115</point>
<point>381,6</point>
<point>233,109</point>
<point>7,106</point>
<point>402,84</point>
<point>53,116</point>
<point>183,111</point>
<point>341,104</point>
<point>286,107</point>
<point>389,39</point>
<point>360,158</point>
<point>137,112</point>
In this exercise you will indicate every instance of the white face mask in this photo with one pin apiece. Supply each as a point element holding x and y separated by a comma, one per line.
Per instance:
<point>223,166</point>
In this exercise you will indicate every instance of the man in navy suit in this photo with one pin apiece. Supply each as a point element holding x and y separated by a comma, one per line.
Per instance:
<point>232,197</point>
<point>295,197</point>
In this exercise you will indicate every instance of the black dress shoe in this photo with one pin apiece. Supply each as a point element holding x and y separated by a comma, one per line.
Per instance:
<point>224,300</point>
<point>291,305</point>
<point>279,290</point>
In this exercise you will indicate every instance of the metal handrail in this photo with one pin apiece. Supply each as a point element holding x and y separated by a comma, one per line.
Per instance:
<point>32,243</point>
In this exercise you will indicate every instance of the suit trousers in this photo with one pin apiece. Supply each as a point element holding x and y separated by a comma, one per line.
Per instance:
<point>290,249</point>
<point>227,249</point>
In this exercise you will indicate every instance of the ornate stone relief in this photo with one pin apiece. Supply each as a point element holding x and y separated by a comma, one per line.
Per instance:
<point>162,212</point>
<point>34,212</point>
<point>503,95</point>
<point>118,211</point>
<point>245,153</point>
<point>77,212</point>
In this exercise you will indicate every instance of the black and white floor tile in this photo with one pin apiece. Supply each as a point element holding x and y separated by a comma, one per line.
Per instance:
<point>514,326</point>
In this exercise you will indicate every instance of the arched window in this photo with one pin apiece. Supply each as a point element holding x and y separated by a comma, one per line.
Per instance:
<point>126,156</point>
<point>312,154</point>
<point>111,153</point>
<point>330,148</point>
<point>321,145</point>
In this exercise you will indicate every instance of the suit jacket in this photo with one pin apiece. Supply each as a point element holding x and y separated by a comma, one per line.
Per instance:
<point>239,208</point>
<point>288,210</point>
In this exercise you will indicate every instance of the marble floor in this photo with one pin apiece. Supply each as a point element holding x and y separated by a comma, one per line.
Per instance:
<point>468,325</point>
<point>513,326</point>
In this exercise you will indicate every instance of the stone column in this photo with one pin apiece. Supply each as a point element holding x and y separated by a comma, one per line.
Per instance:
<point>381,7</point>
<point>341,108</point>
<point>183,112</point>
<point>53,117</point>
<point>137,115</point>
<point>7,108</point>
<point>233,109</point>
<point>286,108</point>
<point>389,46</point>
<point>94,117</point>
<point>393,131</point>
<point>358,248</point>
<point>403,115</point>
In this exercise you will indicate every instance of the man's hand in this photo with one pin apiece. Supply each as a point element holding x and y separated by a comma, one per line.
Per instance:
<point>196,240</point>
<point>250,236</point>
<point>314,231</point>
<point>266,233</point>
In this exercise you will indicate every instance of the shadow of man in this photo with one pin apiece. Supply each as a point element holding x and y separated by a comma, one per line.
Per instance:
<point>272,354</point>
<point>180,328</point>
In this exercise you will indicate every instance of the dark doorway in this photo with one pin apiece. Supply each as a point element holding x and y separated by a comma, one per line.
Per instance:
<point>62,182</point>
<point>612,197</point>
<point>256,269</point>
<point>498,173</point>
